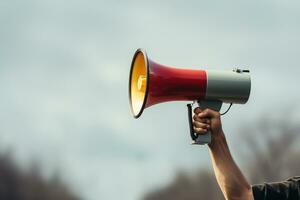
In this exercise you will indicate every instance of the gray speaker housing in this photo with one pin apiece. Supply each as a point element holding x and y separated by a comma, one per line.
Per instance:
<point>228,86</point>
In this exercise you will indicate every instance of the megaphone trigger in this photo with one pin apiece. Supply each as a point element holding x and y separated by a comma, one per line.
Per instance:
<point>203,138</point>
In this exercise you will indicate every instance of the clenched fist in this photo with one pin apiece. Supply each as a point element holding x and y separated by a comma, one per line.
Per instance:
<point>204,120</point>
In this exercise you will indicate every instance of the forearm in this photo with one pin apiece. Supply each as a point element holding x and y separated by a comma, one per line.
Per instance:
<point>230,179</point>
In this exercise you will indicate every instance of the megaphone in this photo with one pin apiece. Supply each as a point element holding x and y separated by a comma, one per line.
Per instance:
<point>151,83</point>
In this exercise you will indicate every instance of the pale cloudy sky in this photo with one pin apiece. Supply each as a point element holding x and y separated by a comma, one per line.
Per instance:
<point>64,68</point>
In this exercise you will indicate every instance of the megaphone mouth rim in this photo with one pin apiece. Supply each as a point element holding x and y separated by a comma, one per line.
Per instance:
<point>137,52</point>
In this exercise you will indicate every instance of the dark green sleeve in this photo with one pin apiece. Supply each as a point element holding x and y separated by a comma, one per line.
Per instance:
<point>286,190</point>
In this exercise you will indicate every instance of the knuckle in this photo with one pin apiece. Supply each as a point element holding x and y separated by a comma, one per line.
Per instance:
<point>196,130</point>
<point>197,125</point>
<point>199,130</point>
<point>195,117</point>
<point>197,110</point>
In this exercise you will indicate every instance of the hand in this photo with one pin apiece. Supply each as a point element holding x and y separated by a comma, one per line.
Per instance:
<point>208,120</point>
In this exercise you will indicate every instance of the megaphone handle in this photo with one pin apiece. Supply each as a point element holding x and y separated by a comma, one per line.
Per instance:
<point>204,138</point>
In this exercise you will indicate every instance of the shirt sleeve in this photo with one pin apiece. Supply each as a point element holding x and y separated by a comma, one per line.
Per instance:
<point>286,190</point>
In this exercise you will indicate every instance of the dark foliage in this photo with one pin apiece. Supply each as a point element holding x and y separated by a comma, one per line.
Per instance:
<point>199,186</point>
<point>16,184</point>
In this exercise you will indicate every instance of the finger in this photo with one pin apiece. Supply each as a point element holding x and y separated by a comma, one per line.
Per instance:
<point>203,120</point>
<point>200,130</point>
<point>197,110</point>
<point>208,113</point>
<point>201,125</point>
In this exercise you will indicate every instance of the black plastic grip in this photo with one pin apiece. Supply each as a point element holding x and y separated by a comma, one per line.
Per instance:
<point>190,115</point>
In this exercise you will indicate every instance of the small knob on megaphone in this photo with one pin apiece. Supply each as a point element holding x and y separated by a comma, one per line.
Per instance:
<point>141,83</point>
<point>238,70</point>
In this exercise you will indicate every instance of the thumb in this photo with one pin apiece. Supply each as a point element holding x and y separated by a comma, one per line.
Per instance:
<point>208,113</point>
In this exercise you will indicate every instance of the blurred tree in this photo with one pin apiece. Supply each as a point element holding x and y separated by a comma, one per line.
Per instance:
<point>268,153</point>
<point>16,184</point>
<point>202,185</point>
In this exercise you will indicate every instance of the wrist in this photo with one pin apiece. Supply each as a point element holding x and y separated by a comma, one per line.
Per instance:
<point>218,140</point>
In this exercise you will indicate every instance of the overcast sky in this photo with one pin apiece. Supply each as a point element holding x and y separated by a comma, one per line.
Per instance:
<point>64,68</point>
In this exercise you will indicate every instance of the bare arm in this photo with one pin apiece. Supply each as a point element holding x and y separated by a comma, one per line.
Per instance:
<point>229,177</point>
